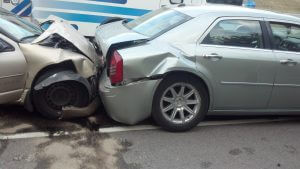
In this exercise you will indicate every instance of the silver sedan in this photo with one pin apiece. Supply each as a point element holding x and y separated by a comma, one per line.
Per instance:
<point>180,64</point>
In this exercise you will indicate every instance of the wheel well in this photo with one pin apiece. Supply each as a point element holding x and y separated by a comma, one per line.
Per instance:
<point>183,73</point>
<point>66,65</point>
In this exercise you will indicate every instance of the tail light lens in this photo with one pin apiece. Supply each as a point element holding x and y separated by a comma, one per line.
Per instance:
<point>116,68</point>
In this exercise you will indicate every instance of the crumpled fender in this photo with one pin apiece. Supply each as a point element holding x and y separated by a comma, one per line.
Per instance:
<point>62,77</point>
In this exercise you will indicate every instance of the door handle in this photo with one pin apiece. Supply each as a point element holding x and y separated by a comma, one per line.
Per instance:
<point>289,62</point>
<point>213,56</point>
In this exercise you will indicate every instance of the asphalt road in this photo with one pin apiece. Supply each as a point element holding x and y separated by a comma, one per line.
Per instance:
<point>271,145</point>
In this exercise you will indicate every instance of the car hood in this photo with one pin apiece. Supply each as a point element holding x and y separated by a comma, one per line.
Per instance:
<point>65,30</point>
<point>114,33</point>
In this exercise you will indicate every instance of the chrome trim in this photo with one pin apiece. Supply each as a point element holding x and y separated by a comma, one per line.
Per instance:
<point>236,47</point>
<point>286,52</point>
<point>287,85</point>
<point>4,77</point>
<point>246,83</point>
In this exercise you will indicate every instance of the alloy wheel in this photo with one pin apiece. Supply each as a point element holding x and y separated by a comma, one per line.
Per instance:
<point>180,103</point>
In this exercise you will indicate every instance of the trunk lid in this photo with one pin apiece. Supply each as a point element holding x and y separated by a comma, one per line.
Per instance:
<point>114,33</point>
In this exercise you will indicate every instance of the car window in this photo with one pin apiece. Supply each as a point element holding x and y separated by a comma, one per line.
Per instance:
<point>240,33</point>
<point>286,37</point>
<point>230,2</point>
<point>18,28</point>
<point>5,47</point>
<point>157,22</point>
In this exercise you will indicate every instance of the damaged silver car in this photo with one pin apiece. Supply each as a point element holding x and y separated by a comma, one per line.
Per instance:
<point>53,71</point>
<point>179,64</point>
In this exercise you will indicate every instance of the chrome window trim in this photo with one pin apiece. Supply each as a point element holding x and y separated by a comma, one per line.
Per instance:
<point>286,52</point>
<point>287,85</point>
<point>236,47</point>
<point>281,21</point>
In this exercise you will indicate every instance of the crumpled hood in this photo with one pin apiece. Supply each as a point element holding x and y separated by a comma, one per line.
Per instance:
<point>65,30</point>
<point>113,33</point>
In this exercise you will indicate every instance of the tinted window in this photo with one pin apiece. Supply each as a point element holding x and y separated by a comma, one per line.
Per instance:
<point>18,28</point>
<point>5,47</point>
<point>157,22</point>
<point>286,37</point>
<point>241,33</point>
<point>231,2</point>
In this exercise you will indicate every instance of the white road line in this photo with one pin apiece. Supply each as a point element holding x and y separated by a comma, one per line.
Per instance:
<point>202,124</point>
<point>136,128</point>
<point>37,135</point>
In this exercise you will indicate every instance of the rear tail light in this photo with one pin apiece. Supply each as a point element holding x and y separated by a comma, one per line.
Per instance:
<point>116,68</point>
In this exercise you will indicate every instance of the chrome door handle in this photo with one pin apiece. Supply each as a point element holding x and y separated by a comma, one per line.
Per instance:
<point>213,56</point>
<point>288,62</point>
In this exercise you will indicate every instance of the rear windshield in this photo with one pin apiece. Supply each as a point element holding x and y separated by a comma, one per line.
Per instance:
<point>157,22</point>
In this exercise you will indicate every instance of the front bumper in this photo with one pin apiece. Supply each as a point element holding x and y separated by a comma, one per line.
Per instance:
<point>71,111</point>
<point>130,103</point>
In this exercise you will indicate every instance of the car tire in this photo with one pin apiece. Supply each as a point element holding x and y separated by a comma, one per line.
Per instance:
<point>193,92</point>
<point>50,100</point>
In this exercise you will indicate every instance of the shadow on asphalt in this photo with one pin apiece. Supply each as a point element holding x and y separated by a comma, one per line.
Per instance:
<point>15,119</point>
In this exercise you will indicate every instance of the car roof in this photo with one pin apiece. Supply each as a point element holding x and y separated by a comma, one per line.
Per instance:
<point>231,10</point>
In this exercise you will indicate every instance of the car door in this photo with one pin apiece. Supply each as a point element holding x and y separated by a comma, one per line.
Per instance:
<point>12,70</point>
<point>235,56</point>
<point>286,42</point>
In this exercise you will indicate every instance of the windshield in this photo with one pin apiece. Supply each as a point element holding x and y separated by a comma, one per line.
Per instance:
<point>18,28</point>
<point>157,22</point>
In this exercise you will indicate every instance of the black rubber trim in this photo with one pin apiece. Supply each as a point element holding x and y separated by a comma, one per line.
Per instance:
<point>266,35</point>
<point>270,34</point>
<point>10,49</point>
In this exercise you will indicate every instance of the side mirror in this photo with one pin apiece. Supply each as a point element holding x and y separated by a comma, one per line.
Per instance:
<point>5,47</point>
<point>176,1</point>
<point>2,47</point>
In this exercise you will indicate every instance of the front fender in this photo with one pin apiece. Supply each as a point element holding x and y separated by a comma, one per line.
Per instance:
<point>64,76</point>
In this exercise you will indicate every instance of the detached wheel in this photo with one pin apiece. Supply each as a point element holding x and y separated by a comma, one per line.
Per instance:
<point>180,103</point>
<point>50,101</point>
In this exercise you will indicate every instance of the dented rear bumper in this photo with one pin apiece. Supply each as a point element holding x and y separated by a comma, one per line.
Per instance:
<point>130,103</point>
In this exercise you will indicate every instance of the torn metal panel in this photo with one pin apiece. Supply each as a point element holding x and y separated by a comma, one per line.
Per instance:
<point>66,31</point>
<point>112,33</point>
<point>63,76</point>
<point>39,57</point>
<point>146,60</point>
